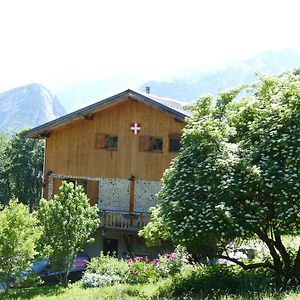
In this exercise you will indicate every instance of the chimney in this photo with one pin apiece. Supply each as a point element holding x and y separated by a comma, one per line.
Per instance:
<point>147,89</point>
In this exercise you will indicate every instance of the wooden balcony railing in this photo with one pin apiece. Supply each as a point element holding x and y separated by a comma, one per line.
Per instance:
<point>124,220</point>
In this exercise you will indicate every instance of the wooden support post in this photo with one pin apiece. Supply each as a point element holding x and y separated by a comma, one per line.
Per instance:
<point>131,199</point>
<point>128,239</point>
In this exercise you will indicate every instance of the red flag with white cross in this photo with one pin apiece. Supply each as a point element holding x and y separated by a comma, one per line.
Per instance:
<point>135,128</point>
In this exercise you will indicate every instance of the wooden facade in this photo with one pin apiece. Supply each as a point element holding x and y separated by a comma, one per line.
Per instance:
<point>72,149</point>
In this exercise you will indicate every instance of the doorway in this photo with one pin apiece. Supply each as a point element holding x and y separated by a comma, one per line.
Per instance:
<point>110,247</point>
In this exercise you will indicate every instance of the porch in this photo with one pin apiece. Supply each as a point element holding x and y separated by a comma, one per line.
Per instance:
<point>124,220</point>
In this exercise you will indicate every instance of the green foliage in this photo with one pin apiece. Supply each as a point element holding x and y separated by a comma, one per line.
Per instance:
<point>104,270</point>
<point>19,233</point>
<point>170,264</point>
<point>200,282</point>
<point>19,158</point>
<point>68,221</point>
<point>142,271</point>
<point>216,281</point>
<point>98,280</point>
<point>237,175</point>
<point>4,165</point>
<point>155,230</point>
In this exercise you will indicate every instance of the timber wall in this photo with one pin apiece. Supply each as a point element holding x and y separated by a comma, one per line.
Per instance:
<point>71,149</point>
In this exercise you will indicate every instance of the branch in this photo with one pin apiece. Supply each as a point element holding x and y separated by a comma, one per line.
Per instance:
<point>248,266</point>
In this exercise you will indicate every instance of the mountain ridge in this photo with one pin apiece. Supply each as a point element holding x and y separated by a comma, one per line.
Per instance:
<point>28,106</point>
<point>195,82</point>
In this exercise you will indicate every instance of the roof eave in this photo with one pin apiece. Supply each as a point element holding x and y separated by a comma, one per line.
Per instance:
<point>43,130</point>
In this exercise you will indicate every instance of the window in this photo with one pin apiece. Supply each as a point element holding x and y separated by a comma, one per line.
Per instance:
<point>105,141</point>
<point>157,144</point>
<point>150,143</point>
<point>174,142</point>
<point>174,145</point>
<point>112,142</point>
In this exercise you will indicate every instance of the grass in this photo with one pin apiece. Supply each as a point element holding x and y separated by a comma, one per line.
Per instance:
<point>122,291</point>
<point>194,282</point>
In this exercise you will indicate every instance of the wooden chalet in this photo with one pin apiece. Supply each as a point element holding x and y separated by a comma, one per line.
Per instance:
<point>118,150</point>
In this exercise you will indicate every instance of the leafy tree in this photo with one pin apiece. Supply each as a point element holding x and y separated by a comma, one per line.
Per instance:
<point>18,238</point>
<point>4,165</point>
<point>24,156</point>
<point>19,159</point>
<point>238,175</point>
<point>68,221</point>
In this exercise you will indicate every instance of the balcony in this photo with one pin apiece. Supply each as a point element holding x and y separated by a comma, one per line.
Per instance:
<point>117,220</point>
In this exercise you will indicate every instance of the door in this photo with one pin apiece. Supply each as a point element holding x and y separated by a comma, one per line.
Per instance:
<point>110,246</point>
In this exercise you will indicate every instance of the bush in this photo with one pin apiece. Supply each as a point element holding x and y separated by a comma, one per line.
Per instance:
<point>98,280</point>
<point>172,263</point>
<point>104,270</point>
<point>108,265</point>
<point>141,270</point>
<point>211,281</point>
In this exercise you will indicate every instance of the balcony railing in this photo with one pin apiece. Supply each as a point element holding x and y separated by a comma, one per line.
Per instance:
<point>124,220</point>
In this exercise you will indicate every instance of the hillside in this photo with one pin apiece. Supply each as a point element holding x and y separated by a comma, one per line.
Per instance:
<point>192,83</point>
<point>28,106</point>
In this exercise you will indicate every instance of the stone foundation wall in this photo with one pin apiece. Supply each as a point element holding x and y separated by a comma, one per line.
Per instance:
<point>114,192</point>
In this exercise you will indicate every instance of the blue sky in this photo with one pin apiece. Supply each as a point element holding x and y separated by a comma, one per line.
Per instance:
<point>62,42</point>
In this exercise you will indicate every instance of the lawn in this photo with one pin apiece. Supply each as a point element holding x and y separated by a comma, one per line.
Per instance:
<point>123,291</point>
<point>169,277</point>
<point>213,284</point>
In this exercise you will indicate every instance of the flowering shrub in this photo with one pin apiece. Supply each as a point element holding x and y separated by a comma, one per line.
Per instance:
<point>104,270</point>
<point>108,265</point>
<point>237,175</point>
<point>172,263</point>
<point>142,270</point>
<point>98,280</point>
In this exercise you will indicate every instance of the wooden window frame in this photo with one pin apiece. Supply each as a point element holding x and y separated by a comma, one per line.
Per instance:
<point>174,136</point>
<point>154,138</point>
<point>102,141</point>
<point>107,142</point>
<point>147,143</point>
<point>174,150</point>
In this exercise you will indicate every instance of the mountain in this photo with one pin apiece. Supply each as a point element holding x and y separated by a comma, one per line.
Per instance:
<point>85,93</point>
<point>192,83</point>
<point>28,106</point>
<point>186,85</point>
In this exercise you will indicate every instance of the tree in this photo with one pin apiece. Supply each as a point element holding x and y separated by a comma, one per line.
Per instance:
<point>238,174</point>
<point>19,160</point>
<point>68,220</point>
<point>24,156</point>
<point>18,238</point>
<point>4,165</point>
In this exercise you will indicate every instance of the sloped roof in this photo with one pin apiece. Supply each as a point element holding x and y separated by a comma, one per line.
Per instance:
<point>168,106</point>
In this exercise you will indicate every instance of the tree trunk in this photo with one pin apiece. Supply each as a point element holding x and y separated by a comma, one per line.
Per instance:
<point>284,254</point>
<point>278,265</point>
<point>296,267</point>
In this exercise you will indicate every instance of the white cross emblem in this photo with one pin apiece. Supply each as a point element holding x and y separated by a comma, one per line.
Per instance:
<point>135,128</point>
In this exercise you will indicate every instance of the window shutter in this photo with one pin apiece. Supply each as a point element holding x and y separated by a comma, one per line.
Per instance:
<point>93,191</point>
<point>146,143</point>
<point>100,141</point>
<point>175,136</point>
